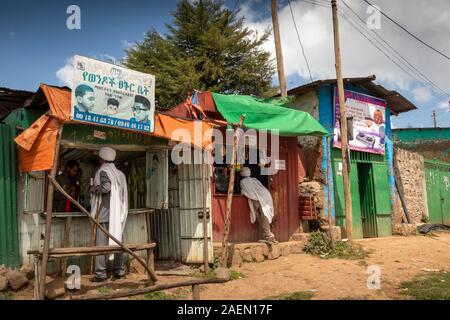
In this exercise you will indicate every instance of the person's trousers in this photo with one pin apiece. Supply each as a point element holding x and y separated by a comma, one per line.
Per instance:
<point>100,261</point>
<point>263,222</point>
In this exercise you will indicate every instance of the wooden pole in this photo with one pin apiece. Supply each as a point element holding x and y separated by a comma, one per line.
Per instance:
<point>135,292</point>
<point>66,243</point>
<point>435,118</point>
<point>224,255</point>
<point>124,248</point>
<point>278,50</point>
<point>343,126</point>
<point>205,218</point>
<point>94,234</point>
<point>48,220</point>
<point>196,292</point>
<point>330,219</point>
<point>150,253</point>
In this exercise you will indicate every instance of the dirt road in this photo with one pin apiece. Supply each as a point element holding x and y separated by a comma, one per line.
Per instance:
<point>399,259</point>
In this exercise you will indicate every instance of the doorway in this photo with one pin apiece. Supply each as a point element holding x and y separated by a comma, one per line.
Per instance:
<point>367,200</point>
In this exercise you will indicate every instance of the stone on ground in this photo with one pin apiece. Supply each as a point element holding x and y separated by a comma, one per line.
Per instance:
<point>16,279</point>
<point>3,283</point>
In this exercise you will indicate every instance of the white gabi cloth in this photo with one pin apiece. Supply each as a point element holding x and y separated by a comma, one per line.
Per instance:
<point>118,209</point>
<point>254,190</point>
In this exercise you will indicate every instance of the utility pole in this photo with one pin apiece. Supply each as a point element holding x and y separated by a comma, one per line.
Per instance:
<point>278,51</point>
<point>435,119</point>
<point>343,127</point>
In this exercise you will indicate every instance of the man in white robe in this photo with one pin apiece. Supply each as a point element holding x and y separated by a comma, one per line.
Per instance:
<point>260,203</point>
<point>110,196</point>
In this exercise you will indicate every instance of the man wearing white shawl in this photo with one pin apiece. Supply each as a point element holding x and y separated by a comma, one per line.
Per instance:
<point>260,203</point>
<point>110,198</point>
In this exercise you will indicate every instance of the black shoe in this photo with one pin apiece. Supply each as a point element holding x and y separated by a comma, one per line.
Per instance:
<point>98,279</point>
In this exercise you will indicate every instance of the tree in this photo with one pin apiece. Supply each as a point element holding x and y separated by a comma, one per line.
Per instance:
<point>206,48</point>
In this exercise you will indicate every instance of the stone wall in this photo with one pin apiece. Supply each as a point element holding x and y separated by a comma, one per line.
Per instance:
<point>410,172</point>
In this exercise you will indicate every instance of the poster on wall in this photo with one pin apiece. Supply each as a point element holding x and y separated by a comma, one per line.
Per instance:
<point>111,95</point>
<point>366,119</point>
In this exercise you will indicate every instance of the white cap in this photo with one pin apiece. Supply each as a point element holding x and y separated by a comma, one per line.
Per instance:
<point>107,154</point>
<point>245,172</point>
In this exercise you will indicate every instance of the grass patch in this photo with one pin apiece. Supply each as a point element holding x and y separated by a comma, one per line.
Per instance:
<point>8,295</point>
<point>237,275</point>
<point>299,295</point>
<point>209,275</point>
<point>157,295</point>
<point>104,289</point>
<point>434,286</point>
<point>320,245</point>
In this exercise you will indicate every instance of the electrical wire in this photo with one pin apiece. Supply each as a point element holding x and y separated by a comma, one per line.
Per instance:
<point>300,41</point>
<point>408,32</point>
<point>405,62</point>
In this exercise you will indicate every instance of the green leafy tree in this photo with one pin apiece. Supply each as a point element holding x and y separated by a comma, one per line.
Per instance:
<point>206,48</point>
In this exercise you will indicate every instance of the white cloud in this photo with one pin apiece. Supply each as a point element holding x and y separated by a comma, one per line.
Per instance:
<point>65,73</point>
<point>126,44</point>
<point>444,105</point>
<point>421,94</point>
<point>360,58</point>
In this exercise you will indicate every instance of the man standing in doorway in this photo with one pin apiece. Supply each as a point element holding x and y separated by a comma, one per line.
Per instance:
<point>260,203</point>
<point>110,198</point>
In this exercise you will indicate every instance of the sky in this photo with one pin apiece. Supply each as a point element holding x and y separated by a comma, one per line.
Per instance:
<point>36,45</point>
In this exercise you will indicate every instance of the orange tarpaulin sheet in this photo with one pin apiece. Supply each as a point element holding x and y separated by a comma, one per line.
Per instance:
<point>37,144</point>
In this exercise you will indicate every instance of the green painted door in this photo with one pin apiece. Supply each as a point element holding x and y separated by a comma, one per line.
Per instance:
<point>367,199</point>
<point>382,198</point>
<point>437,178</point>
<point>339,199</point>
<point>444,173</point>
<point>433,193</point>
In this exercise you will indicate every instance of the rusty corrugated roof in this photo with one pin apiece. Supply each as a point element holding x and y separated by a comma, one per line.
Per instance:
<point>395,101</point>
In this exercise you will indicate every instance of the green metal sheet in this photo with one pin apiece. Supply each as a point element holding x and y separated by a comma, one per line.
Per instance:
<point>437,178</point>
<point>100,135</point>
<point>9,242</point>
<point>433,193</point>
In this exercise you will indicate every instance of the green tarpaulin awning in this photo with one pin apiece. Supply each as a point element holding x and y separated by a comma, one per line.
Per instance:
<point>269,114</point>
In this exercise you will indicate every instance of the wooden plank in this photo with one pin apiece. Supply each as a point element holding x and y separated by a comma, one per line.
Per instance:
<point>158,287</point>
<point>97,249</point>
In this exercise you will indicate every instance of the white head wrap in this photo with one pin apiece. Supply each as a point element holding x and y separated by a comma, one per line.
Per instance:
<point>107,154</point>
<point>245,172</point>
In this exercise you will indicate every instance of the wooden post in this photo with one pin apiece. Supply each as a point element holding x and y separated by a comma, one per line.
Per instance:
<point>224,255</point>
<point>343,126</point>
<point>278,51</point>
<point>48,220</point>
<point>37,276</point>
<point>99,226</point>
<point>66,243</point>
<point>330,219</point>
<point>150,252</point>
<point>94,234</point>
<point>205,218</point>
<point>434,118</point>
<point>196,292</point>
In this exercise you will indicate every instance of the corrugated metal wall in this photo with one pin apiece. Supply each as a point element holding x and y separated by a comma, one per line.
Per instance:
<point>190,192</point>
<point>166,230</point>
<point>9,243</point>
